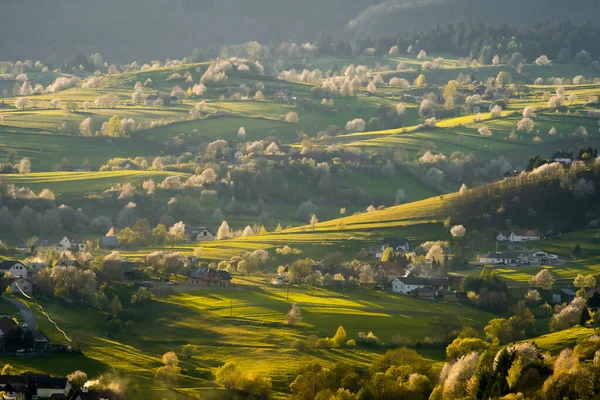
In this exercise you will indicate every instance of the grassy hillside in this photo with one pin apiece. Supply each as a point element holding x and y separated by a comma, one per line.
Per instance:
<point>243,325</point>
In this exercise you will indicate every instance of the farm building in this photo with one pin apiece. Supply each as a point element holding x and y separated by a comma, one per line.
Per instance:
<point>210,277</point>
<point>109,242</point>
<point>496,258</point>
<point>129,165</point>
<point>405,285</point>
<point>388,271</point>
<point>173,100</point>
<point>520,235</point>
<point>200,234</point>
<point>151,100</point>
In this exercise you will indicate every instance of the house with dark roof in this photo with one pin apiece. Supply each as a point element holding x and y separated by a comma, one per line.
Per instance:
<point>396,244</point>
<point>173,100</point>
<point>20,285</point>
<point>129,165</point>
<point>86,393</point>
<point>28,385</point>
<point>67,262</point>
<point>109,242</point>
<point>13,268</point>
<point>406,285</point>
<point>563,157</point>
<point>45,245</point>
<point>200,234</point>
<point>387,271</point>
<point>75,243</point>
<point>150,100</point>
<point>210,277</point>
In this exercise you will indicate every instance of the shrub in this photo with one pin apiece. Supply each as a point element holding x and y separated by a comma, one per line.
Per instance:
<point>299,344</point>
<point>324,344</point>
<point>368,340</point>
<point>351,343</point>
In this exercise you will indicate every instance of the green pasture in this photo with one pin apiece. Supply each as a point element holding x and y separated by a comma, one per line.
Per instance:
<point>242,325</point>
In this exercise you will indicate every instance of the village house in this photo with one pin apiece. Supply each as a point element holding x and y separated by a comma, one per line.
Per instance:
<point>74,243</point>
<point>482,107</point>
<point>387,271</point>
<point>398,245</point>
<point>210,277</point>
<point>86,393</point>
<point>406,285</point>
<point>497,258</point>
<point>279,281</point>
<point>200,234</point>
<point>151,100</point>
<point>563,157</point>
<point>19,285</point>
<point>519,235</point>
<point>14,268</point>
<point>39,386</point>
<point>173,100</point>
<point>109,242</point>
<point>67,262</point>
<point>45,245</point>
<point>129,165</point>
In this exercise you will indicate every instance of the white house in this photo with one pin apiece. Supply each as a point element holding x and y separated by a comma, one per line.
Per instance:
<point>200,234</point>
<point>407,285</point>
<point>14,268</point>
<point>525,235</point>
<point>503,236</point>
<point>73,243</point>
<point>563,157</point>
<point>520,235</point>
<point>20,285</point>
<point>494,258</point>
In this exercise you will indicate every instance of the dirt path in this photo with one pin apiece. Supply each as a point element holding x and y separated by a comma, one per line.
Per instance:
<point>25,311</point>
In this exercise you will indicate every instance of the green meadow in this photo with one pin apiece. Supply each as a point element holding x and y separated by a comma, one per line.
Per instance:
<point>245,325</point>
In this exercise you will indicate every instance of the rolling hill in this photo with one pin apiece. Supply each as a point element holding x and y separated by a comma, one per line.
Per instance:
<point>155,28</point>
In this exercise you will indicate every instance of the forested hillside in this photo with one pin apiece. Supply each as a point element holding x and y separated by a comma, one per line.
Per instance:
<point>156,28</point>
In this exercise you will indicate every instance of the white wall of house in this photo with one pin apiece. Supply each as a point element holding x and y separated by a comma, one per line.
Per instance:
<point>23,285</point>
<point>65,243</point>
<point>205,235</point>
<point>516,238</point>
<point>18,270</point>
<point>485,260</point>
<point>400,287</point>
